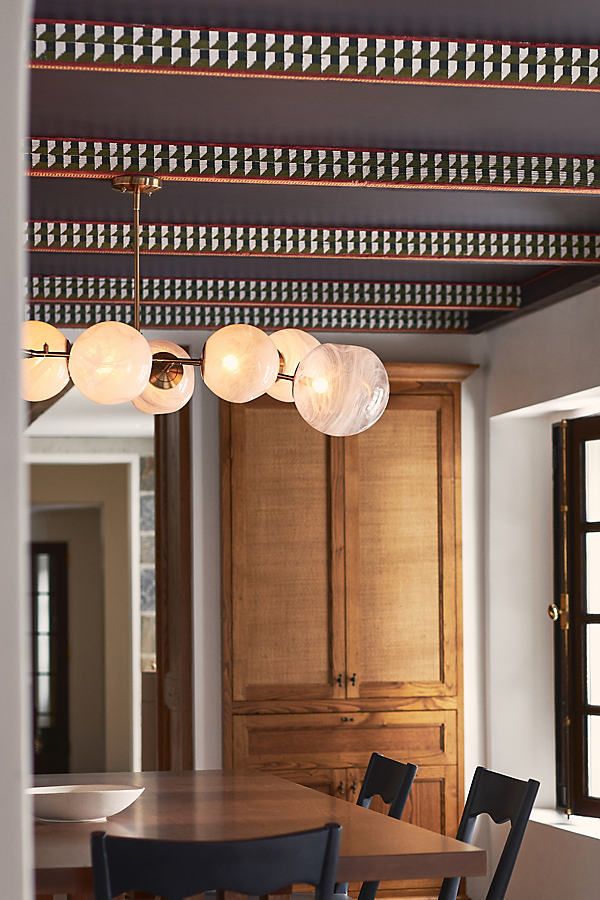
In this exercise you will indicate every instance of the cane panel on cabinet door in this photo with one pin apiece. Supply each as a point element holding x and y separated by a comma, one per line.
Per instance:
<point>287,608</point>
<point>330,740</point>
<point>401,552</point>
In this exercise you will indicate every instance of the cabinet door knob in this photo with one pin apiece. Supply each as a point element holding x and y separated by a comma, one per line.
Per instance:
<point>352,679</point>
<point>340,789</point>
<point>340,680</point>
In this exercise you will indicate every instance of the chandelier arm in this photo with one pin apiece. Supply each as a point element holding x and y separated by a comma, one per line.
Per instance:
<point>179,360</point>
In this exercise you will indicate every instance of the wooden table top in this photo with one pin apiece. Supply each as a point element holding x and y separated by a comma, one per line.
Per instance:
<point>219,805</point>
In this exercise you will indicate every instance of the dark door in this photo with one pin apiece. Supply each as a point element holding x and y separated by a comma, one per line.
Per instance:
<point>49,638</point>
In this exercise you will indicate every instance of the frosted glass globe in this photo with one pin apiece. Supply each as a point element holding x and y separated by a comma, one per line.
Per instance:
<point>110,362</point>
<point>341,390</point>
<point>293,345</point>
<point>241,362</point>
<point>170,386</point>
<point>43,377</point>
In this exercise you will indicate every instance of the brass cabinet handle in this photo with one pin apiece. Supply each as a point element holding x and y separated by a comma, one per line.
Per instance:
<point>352,679</point>
<point>554,612</point>
<point>340,679</point>
<point>340,789</point>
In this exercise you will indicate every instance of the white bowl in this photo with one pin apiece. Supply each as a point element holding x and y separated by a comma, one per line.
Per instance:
<point>81,802</point>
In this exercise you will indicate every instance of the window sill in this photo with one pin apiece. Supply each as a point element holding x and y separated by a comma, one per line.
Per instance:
<point>583,825</point>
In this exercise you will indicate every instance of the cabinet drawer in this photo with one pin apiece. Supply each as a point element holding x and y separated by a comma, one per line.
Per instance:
<point>332,740</point>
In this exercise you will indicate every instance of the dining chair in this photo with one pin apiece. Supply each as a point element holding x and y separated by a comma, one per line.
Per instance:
<point>391,780</point>
<point>504,799</point>
<point>178,869</point>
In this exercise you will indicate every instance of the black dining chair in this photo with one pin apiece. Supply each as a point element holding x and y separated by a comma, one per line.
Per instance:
<point>392,781</point>
<point>178,869</point>
<point>504,799</point>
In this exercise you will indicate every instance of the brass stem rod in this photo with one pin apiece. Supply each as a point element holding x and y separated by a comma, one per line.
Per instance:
<point>136,257</point>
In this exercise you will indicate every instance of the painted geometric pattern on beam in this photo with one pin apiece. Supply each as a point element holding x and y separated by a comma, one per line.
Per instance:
<point>203,51</point>
<point>312,165</point>
<point>240,292</point>
<point>301,242</point>
<point>177,315</point>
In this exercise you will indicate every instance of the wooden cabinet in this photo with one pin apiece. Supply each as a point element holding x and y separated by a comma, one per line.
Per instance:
<point>341,595</point>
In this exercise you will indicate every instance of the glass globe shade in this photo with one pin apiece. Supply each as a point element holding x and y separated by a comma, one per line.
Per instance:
<point>169,387</point>
<point>110,362</point>
<point>293,345</point>
<point>43,377</point>
<point>341,390</point>
<point>241,362</point>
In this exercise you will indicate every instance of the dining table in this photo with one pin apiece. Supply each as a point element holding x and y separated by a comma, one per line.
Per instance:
<point>223,805</point>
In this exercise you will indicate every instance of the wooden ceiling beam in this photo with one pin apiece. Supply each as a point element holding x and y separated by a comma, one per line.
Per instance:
<point>161,49</point>
<point>544,290</point>
<point>316,294</point>
<point>178,316</point>
<point>334,166</point>
<point>333,242</point>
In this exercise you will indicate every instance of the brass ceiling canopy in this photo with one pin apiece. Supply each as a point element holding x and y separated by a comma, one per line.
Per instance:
<point>143,184</point>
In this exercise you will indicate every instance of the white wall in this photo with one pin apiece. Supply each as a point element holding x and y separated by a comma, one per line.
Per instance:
<point>207,630</point>
<point>15,819</point>
<point>543,357</point>
<point>546,354</point>
<point>521,682</point>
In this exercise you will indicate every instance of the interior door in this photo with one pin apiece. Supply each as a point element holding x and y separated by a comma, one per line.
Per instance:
<point>287,603</point>
<point>50,657</point>
<point>401,592</point>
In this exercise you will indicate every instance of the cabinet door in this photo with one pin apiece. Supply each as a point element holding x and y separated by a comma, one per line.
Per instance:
<point>432,804</point>
<point>286,541</point>
<point>327,781</point>
<point>401,591</point>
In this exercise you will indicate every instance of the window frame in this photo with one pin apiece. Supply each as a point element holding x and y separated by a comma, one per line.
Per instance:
<point>570,614</point>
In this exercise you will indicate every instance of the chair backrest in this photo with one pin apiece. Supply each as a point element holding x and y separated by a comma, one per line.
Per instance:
<point>178,869</point>
<point>504,799</point>
<point>391,780</point>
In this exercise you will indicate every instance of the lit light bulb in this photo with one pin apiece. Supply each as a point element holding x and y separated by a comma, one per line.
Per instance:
<point>110,362</point>
<point>231,363</point>
<point>240,363</point>
<point>43,377</point>
<point>341,390</point>
<point>320,385</point>
<point>293,345</point>
<point>170,385</point>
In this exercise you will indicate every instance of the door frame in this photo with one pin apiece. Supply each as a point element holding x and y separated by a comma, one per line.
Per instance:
<point>174,591</point>
<point>134,675</point>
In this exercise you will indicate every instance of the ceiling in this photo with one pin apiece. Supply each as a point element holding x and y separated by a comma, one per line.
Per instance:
<point>335,165</point>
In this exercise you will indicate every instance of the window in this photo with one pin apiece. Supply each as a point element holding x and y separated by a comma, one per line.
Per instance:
<point>49,649</point>
<point>576,611</point>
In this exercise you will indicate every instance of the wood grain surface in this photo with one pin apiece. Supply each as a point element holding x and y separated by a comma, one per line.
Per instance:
<point>224,806</point>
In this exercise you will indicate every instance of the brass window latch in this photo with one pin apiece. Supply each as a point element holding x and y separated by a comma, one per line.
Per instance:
<point>560,613</point>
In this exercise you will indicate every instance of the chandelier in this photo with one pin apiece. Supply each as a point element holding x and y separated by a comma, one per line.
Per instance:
<point>338,389</point>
